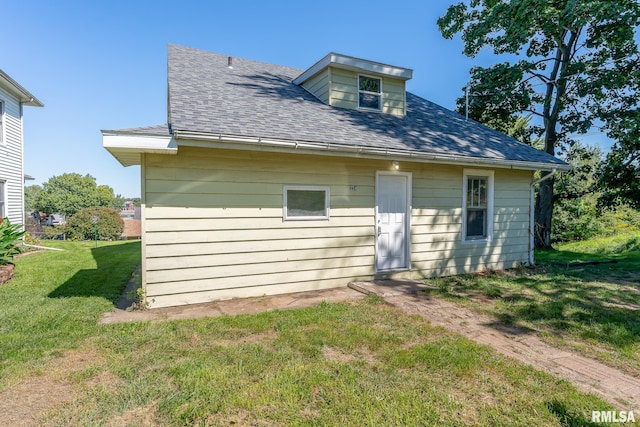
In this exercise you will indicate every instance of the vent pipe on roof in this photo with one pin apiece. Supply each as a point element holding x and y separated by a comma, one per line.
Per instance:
<point>230,62</point>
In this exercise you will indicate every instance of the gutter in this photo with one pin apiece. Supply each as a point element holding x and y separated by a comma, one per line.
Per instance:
<point>25,97</point>
<point>346,150</point>
<point>532,215</point>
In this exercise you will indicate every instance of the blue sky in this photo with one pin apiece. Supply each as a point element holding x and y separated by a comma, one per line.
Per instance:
<point>102,65</point>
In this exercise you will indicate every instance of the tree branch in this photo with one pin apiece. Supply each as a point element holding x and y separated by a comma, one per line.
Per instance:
<point>543,78</point>
<point>565,195</point>
<point>632,159</point>
<point>534,112</point>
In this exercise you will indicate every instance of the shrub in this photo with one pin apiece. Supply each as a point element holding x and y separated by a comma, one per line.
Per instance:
<point>10,235</point>
<point>575,219</point>
<point>53,233</point>
<point>581,219</point>
<point>109,225</point>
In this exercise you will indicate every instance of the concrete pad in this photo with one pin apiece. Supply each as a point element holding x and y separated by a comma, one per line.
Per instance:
<point>389,288</point>
<point>234,306</point>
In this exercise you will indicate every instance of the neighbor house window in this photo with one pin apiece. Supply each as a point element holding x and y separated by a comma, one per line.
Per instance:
<point>305,202</point>
<point>369,92</point>
<point>477,205</point>
<point>3,209</point>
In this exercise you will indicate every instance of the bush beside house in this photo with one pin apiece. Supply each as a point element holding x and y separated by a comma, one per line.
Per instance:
<point>10,235</point>
<point>109,225</point>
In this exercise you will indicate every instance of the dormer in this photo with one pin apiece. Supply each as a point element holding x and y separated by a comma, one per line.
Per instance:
<point>348,82</point>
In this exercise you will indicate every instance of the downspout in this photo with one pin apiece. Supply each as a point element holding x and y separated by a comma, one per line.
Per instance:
<point>532,215</point>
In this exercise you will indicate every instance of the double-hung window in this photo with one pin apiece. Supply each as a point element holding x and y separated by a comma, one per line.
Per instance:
<point>369,93</point>
<point>477,206</point>
<point>305,202</point>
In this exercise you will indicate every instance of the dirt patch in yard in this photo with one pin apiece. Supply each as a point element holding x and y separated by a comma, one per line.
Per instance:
<point>25,403</point>
<point>144,417</point>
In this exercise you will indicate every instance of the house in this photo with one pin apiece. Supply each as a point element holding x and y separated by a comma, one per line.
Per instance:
<point>12,98</point>
<point>269,179</point>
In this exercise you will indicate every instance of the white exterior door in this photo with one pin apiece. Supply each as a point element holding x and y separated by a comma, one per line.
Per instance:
<point>392,221</point>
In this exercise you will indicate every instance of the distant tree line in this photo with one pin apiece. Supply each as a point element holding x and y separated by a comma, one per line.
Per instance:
<point>92,210</point>
<point>69,193</point>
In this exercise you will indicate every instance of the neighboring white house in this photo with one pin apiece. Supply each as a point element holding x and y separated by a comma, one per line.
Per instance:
<point>12,98</point>
<point>269,179</point>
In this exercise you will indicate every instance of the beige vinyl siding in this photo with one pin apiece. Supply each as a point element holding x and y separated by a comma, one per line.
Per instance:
<point>11,172</point>
<point>318,85</point>
<point>437,247</point>
<point>344,92</point>
<point>393,99</point>
<point>344,89</point>
<point>213,226</point>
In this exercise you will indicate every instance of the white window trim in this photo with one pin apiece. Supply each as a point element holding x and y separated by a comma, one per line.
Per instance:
<point>327,195</point>
<point>3,121</point>
<point>467,173</point>
<point>4,214</point>
<point>369,93</point>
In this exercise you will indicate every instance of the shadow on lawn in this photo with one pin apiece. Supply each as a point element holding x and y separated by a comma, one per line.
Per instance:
<point>567,418</point>
<point>595,302</point>
<point>565,303</point>
<point>114,265</point>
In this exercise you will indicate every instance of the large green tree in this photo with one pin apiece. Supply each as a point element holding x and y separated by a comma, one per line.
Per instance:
<point>620,176</point>
<point>30,195</point>
<point>70,192</point>
<point>571,63</point>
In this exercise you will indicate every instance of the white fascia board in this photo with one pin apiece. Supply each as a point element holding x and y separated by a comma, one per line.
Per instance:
<point>16,89</point>
<point>126,147</point>
<point>234,142</point>
<point>354,64</point>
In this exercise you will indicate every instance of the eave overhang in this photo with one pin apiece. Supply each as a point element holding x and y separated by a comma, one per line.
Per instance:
<point>25,97</point>
<point>236,142</point>
<point>127,147</point>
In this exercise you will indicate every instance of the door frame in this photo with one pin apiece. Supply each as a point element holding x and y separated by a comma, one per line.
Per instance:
<point>407,231</point>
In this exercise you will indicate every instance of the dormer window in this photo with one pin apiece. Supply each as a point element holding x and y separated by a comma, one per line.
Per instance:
<point>347,82</point>
<point>369,92</point>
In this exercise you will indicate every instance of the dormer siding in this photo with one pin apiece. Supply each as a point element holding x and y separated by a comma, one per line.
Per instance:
<point>334,80</point>
<point>320,85</point>
<point>339,88</point>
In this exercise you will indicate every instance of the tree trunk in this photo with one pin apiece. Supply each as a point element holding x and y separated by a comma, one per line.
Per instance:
<point>544,213</point>
<point>552,106</point>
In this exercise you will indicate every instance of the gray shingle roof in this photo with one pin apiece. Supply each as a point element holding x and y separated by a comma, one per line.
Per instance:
<point>156,130</point>
<point>255,99</point>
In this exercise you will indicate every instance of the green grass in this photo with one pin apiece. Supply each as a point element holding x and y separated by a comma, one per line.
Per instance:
<point>594,309</point>
<point>55,299</point>
<point>358,363</point>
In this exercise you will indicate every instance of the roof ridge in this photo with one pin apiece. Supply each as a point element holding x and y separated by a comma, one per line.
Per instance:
<point>249,60</point>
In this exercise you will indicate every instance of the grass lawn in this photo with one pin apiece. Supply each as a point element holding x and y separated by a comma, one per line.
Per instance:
<point>358,363</point>
<point>594,309</point>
